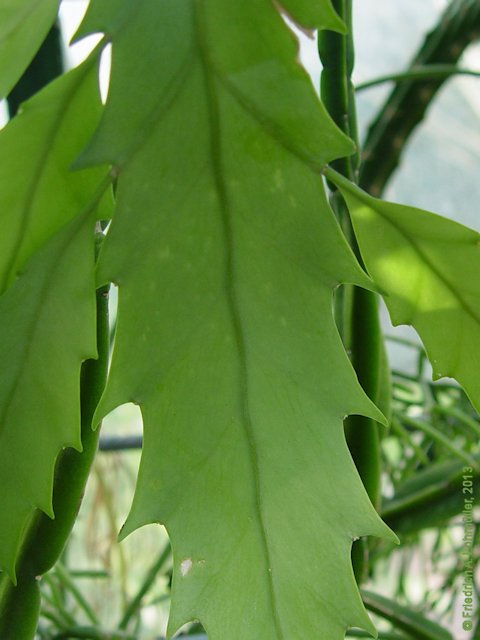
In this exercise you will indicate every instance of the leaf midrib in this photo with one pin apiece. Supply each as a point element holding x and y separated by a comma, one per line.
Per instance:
<point>230,287</point>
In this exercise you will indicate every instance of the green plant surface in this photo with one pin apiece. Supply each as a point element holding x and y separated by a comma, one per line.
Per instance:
<point>46,268</point>
<point>227,257</point>
<point>45,337</point>
<point>47,65</point>
<point>23,26</point>
<point>45,538</point>
<point>36,151</point>
<point>314,15</point>
<point>427,267</point>
<point>427,499</point>
<point>419,73</point>
<point>135,603</point>
<point>225,326</point>
<point>413,623</point>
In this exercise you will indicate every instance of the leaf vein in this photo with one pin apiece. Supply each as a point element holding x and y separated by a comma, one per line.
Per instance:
<point>435,270</point>
<point>231,292</point>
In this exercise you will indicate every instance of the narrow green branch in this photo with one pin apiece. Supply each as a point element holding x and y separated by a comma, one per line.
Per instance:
<point>438,437</point>
<point>429,498</point>
<point>93,633</point>
<point>427,72</point>
<point>403,435</point>
<point>69,583</point>
<point>461,416</point>
<point>55,598</point>
<point>404,618</point>
<point>385,635</point>
<point>149,579</point>
<point>422,497</point>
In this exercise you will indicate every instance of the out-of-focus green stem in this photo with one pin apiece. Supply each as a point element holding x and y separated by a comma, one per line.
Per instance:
<point>67,581</point>
<point>437,436</point>
<point>385,635</point>
<point>93,633</point>
<point>427,72</point>
<point>404,619</point>
<point>136,601</point>
<point>458,414</point>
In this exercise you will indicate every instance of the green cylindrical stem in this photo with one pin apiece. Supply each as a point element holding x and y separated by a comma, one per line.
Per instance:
<point>337,55</point>
<point>362,434</point>
<point>407,104</point>
<point>46,538</point>
<point>45,67</point>
<point>356,309</point>
<point>366,346</point>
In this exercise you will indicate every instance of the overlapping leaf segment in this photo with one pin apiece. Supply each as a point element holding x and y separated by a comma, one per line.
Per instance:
<point>226,255</point>
<point>47,310</point>
<point>23,26</point>
<point>428,267</point>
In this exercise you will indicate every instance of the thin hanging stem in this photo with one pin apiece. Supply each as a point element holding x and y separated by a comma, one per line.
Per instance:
<point>421,73</point>
<point>149,579</point>
<point>356,309</point>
